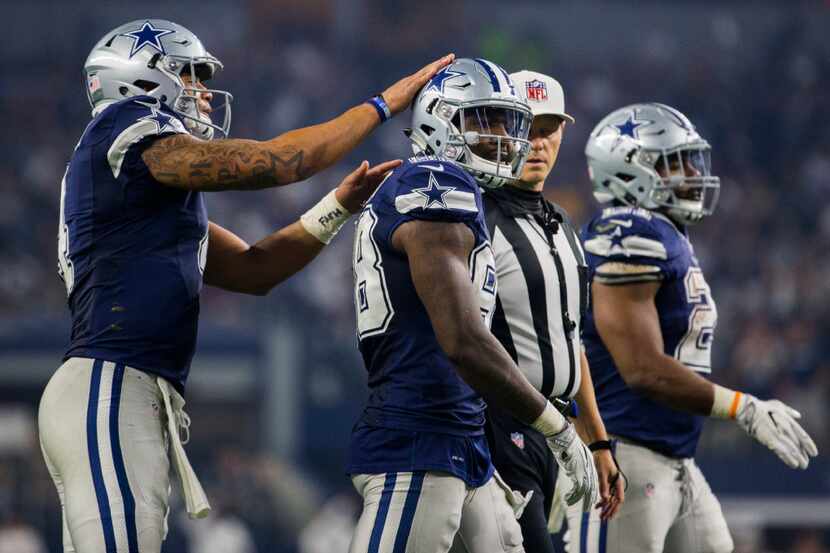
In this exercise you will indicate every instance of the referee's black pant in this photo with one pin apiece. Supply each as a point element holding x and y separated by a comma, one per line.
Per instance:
<point>522,457</point>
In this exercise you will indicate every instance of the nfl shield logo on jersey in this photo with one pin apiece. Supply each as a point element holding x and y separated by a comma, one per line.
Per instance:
<point>536,90</point>
<point>518,439</point>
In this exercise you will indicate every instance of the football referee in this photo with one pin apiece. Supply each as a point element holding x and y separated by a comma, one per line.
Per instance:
<point>542,294</point>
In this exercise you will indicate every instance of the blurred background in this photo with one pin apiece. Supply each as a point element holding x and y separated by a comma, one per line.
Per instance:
<point>277,382</point>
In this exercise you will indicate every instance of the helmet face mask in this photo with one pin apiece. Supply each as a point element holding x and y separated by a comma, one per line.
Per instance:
<point>186,104</point>
<point>470,113</point>
<point>650,156</point>
<point>495,140</point>
<point>150,57</point>
<point>686,190</point>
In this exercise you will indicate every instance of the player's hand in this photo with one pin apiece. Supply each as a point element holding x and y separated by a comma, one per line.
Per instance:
<point>775,425</point>
<point>576,460</point>
<point>400,95</point>
<point>611,484</point>
<point>358,185</point>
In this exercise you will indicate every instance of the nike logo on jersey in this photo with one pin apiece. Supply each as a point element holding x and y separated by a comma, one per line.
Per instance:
<point>433,167</point>
<point>612,224</point>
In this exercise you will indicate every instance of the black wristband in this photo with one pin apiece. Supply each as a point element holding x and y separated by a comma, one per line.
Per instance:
<point>600,445</point>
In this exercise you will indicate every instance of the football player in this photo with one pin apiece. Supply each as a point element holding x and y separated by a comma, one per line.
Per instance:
<point>648,338</point>
<point>425,286</point>
<point>135,246</point>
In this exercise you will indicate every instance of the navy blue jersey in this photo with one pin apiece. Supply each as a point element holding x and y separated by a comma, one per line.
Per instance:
<point>627,245</point>
<point>420,415</point>
<point>131,251</point>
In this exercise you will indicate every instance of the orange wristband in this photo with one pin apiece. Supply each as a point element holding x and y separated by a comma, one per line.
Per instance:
<point>736,402</point>
<point>726,403</point>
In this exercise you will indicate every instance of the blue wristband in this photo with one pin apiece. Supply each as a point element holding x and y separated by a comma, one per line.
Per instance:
<point>380,106</point>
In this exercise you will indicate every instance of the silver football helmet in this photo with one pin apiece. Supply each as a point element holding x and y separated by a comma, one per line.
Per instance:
<point>149,57</point>
<point>470,112</point>
<point>650,155</point>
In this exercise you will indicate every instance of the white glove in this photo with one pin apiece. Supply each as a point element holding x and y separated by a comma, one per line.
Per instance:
<point>576,460</point>
<point>773,423</point>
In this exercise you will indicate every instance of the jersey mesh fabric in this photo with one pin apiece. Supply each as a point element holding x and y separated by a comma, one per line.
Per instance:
<point>136,247</point>
<point>628,245</point>
<point>420,414</point>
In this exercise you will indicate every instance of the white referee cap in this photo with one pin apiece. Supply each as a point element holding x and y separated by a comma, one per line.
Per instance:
<point>544,94</point>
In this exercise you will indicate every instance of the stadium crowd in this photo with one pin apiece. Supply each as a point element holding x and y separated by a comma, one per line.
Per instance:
<point>766,251</point>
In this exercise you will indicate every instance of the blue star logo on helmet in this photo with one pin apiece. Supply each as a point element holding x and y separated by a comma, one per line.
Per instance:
<point>437,82</point>
<point>147,35</point>
<point>629,127</point>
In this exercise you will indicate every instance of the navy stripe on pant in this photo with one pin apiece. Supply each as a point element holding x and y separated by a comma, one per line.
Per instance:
<point>118,460</point>
<point>408,514</point>
<point>383,510</point>
<point>95,458</point>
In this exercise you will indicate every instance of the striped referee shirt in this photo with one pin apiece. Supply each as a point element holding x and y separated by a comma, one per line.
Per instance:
<point>542,292</point>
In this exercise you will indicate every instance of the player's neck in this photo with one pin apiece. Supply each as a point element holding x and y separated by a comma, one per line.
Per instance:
<point>528,186</point>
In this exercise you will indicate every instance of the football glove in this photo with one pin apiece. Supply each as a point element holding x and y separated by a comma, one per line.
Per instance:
<point>775,425</point>
<point>576,460</point>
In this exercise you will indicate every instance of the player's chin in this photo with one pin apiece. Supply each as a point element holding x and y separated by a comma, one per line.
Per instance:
<point>534,174</point>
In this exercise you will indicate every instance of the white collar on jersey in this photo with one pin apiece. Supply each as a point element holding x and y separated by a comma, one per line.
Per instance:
<point>101,107</point>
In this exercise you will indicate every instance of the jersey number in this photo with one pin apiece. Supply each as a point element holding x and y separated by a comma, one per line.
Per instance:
<point>695,349</point>
<point>65,268</point>
<point>371,296</point>
<point>482,264</point>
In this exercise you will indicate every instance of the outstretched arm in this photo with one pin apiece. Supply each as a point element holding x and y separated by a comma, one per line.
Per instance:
<point>183,161</point>
<point>234,265</point>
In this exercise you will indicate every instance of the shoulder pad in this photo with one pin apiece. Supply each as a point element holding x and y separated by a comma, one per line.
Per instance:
<point>427,185</point>
<point>623,233</point>
<point>135,120</point>
<point>630,245</point>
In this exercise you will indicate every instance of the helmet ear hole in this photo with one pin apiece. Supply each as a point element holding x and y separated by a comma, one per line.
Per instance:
<point>123,90</point>
<point>145,85</point>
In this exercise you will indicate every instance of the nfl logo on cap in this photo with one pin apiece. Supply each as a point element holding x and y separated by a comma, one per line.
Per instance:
<point>536,90</point>
<point>543,93</point>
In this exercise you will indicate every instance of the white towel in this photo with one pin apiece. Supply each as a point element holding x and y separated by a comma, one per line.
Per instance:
<point>195,498</point>
<point>514,498</point>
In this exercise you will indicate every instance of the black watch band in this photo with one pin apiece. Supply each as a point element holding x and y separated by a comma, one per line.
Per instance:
<point>599,445</point>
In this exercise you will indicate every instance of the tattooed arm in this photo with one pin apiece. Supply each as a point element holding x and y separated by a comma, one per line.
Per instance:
<point>237,164</point>
<point>234,164</point>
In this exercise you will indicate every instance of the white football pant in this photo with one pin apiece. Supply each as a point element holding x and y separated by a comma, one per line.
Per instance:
<point>102,432</point>
<point>669,507</point>
<point>421,512</point>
